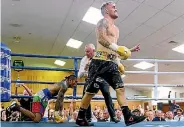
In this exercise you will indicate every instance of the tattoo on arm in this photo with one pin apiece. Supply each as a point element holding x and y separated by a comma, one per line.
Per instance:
<point>59,101</point>
<point>102,33</point>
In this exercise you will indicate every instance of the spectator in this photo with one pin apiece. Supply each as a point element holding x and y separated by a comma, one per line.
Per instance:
<point>154,108</point>
<point>146,115</point>
<point>133,107</point>
<point>119,115</point>
<point>74,117</point>
<point>3,113</point>
<point>99,116</point>
<point>141,110</point>
<point>106,117</point>
<point>170,116</point>
<point>179,116</point>
<point>94,119</point>
<point>136,112</point>
<point>147,108</point>
<point>158,116</point>
<point>173,106</point>
<point>98,108</point>
<point>51,115</point>
<point>66,114</point>
<point>96,113</point>
<point>150,116</point>
<point>163,115</point>
<point>95,107</point>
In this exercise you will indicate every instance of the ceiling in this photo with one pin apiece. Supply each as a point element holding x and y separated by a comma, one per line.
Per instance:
<point>45,26</point>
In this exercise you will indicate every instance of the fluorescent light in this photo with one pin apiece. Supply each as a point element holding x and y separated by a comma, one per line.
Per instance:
<point>59,62</point>
<point>74,43</point>
<point>144,65</point>
<point>179,49</point>
<point>93,15</point>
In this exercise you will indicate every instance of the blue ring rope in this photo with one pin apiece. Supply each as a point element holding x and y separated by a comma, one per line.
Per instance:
<point>40,82</point>
<point>66,97</point>
<point>44,56</point>
<point>32,82</point>
<point>42,68</point>
<point>45,68</point>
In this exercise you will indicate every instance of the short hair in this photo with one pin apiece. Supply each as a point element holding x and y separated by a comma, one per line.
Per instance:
<point>104,5</point>
<point>179,109</point>
<point>72,77</point>
<point>136,110</point>
<point>91,46</point>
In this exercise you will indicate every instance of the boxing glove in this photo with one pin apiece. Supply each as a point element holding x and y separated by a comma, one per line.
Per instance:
<point>121,68</point>
<point>58,118</point>
<point>123,51</point>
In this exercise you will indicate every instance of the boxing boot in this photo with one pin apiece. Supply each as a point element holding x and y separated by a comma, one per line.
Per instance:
<point>130,118</point>
<point>81,119</point>
<point>13,107</point>
<point>83,122</point>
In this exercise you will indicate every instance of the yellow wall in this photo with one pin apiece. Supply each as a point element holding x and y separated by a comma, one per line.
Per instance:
<point>36,75</point>
<point>50,76</point>
<point>100,104</point>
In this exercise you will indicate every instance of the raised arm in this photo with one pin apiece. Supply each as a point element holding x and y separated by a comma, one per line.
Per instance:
<point>27,89</point>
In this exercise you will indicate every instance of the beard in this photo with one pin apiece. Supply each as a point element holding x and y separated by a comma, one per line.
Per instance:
<point>114,16</point>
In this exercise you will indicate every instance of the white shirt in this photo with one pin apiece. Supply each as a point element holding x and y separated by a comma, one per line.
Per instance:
<point>122,118</point>
<point>177,118</point>
<point>83,63</point>
<point>166,119</point>
<point>72,120</point>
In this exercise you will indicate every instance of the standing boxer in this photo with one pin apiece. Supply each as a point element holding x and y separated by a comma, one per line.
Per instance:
<point>83,72</point>
<point>102,69</point>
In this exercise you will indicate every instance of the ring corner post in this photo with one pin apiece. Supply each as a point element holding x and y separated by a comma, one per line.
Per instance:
<point>76,74</point>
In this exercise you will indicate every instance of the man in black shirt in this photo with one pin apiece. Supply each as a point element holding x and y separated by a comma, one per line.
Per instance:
<point>173,106</point>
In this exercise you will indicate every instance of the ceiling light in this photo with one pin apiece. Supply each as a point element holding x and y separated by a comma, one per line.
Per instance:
<point>179,49</point>
<point>59,62</point>
<point>93,15</point>
<point>16,39</point>
<point>74,43</point>
<point>144,65</point>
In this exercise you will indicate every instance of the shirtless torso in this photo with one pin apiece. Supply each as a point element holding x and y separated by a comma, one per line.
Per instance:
<point>55,88</point>
<point>110,32</point>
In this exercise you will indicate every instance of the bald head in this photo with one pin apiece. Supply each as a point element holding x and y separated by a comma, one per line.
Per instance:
<point>89,50</point>
<point>92,46</point>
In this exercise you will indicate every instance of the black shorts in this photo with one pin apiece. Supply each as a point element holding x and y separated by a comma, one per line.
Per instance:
<point>106,70</point>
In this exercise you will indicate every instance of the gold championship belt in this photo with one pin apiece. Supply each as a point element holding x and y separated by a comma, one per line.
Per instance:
<point>102,55</point>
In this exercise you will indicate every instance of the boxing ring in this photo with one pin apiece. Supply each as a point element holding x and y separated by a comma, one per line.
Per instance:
<point>75,97</point>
